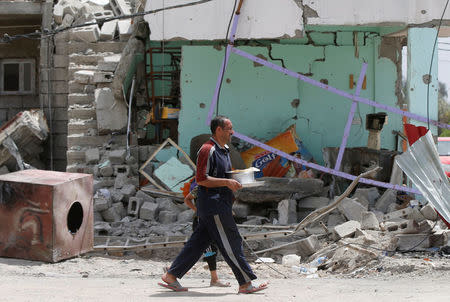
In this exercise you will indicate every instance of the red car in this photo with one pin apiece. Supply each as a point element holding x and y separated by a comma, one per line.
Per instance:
<point>443,148</point>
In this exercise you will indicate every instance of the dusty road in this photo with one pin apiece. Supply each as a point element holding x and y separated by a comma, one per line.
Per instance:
<point>109,279</point>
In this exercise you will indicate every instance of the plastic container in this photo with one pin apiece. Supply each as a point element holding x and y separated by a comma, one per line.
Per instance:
<point>318,261</point>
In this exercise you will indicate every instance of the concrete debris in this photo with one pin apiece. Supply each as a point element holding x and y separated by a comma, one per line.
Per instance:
<point>287,211</point>
<point>290,260</point>
<point>367,195</point>
<point>347,229</point>
<point>148,211</point>
<point>109,120</point>
<point>241,210</point>
<point>352,209</point>
<point>388,197</point>
<point>429,213</point>
<point>369,221</point>
<point>276,189</point>
<point>21,139</point>
<point>308,246</point>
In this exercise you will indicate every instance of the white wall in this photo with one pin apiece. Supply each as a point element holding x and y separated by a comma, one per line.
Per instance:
<point>209,21</point>
<point>283,18</point>
<point>374,12</point>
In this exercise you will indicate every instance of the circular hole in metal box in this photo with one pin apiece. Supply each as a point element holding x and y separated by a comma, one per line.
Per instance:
<point>75,217</point>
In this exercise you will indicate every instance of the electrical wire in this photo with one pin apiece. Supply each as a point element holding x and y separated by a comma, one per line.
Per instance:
<point>224,63</point>
<point>431,64</point>
<point>253,252</point>
<point>45,32</point>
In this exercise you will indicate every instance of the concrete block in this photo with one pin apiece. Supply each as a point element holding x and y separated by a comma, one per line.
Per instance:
<point>97,216</point>
<point>108,31</point>
<point>101,204</point>
<point>312,203</point>
<point>92,156</point>
<point>185,216</point>
<point>128,191</point>
<point>290,260</point>
<point>368,239</point>
<point>121,169</point>
<point>416,215</point>
<point>308,246</point>
<point>67,20</point>
<point>388,197</point>
<point>172,173</point>
<point>241,210</point>
<point>84,76</point>
<point>438,240</point>
<point>116,195</point>
<point>346,229</point>
<point>398,214</point>
<point>125,29</point>
<point>120,7</point>
<point>145,197</point>
<point>369,221</point>
<point>392,207</point>
<point>412,242</point>
<point>369,194</point>
<point>287,211</point>
<point>429,213</point>
<point>143,153</point>
<point>103,14</point>
<point>117,157</point>
<point>166,217</point>
<point>109,63</point>
<point>166,204</point>
<point>351,209</point>
<point>121,181</point>
<point>86,34</point>
<point>148,211</point>
<point>111,114</point>
<point>103,77</point>
<point>106,169</point>
<point>335,219</point>
<point>110,215</point>
<point>58,13</point>
<point>134,205</point>
<point>120,209</point>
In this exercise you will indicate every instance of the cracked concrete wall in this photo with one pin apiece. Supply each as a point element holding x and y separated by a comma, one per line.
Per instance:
<point>263,102</point>
<point>260,19</point>
<point>286,19</point>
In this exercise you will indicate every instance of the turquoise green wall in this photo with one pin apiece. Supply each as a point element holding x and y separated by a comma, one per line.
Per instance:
<point>258,99</point>
<point>420,47</point>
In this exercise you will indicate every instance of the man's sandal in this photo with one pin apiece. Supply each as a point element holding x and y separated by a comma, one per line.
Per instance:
<point>253,289</point>
<point>175,286</point>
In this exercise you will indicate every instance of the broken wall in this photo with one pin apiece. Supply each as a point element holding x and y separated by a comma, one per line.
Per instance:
<point>261,102</point>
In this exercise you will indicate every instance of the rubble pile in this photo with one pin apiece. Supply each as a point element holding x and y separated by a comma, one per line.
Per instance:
<point>74,12</point>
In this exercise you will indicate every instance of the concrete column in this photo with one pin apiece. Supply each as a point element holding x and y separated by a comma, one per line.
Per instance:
<point>420,47</point>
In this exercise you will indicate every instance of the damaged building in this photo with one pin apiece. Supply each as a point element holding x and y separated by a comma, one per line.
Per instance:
<point>129,101</point>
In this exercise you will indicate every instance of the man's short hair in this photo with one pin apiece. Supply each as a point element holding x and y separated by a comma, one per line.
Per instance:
<point>218,121</point>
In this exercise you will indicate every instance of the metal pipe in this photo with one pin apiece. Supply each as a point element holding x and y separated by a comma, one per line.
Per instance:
<point>129,115</point>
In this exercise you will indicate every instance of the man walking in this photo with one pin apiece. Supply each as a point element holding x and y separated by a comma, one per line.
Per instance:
<point>216,223</point>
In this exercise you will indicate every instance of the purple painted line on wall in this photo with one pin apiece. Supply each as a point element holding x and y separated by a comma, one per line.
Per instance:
<point>322,168</point>
<point>351,114</point>
<point>222,69</point>
<point>337,91</point>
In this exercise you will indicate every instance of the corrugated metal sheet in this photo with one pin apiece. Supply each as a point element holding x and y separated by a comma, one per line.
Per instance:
<point>422,165</point>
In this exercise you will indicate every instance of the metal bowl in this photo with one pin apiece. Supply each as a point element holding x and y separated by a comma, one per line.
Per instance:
<point>243,176</point>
